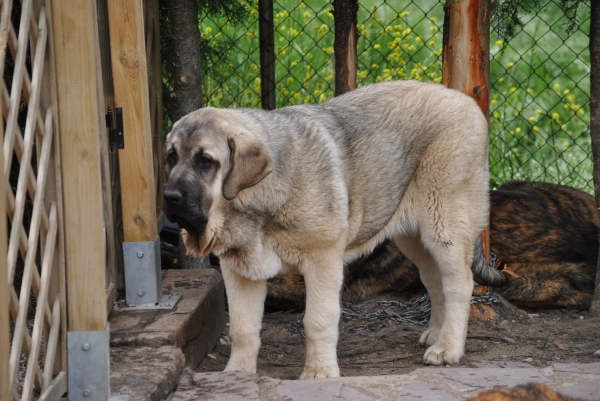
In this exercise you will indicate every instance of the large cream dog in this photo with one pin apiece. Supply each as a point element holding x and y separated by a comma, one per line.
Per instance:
<point>306,189</point>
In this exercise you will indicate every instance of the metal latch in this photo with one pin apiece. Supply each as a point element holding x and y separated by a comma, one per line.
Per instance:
<point>115,134</point>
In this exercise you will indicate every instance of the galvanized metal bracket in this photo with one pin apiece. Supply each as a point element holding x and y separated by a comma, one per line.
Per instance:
<point>143,278</point>
<point>89,365</point>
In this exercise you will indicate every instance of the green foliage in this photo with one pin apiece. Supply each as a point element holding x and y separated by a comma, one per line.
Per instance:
<point>539,111</point>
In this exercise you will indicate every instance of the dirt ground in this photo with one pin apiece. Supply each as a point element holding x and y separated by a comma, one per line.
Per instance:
<point>539,337</point>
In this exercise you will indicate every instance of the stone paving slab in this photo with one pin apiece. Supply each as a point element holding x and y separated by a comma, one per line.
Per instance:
<point>150,348</point>
<point>427,383</point>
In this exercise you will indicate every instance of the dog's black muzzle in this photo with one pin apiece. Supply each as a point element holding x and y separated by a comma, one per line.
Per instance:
<point>178,209</point>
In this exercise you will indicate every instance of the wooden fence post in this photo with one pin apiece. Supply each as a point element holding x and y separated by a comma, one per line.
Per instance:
<point>466,67</point>
<point>266,34</point>
<point>81,127</point>
<point>346,36</point>
<point>130,78</point>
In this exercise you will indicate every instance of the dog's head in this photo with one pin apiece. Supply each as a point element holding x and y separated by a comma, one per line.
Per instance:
<point>210,157</point>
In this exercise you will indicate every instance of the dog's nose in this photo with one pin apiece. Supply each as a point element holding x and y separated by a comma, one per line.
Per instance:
<point>173,196</point>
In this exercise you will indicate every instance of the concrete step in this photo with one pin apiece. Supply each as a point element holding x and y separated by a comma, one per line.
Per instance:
<point>428,383</point>
<point>150,348</point>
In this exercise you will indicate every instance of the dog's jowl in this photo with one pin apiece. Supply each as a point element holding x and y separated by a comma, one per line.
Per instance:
<point>306,189</point>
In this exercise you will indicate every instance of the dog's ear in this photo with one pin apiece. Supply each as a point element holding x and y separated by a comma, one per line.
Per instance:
<point>249,163</point>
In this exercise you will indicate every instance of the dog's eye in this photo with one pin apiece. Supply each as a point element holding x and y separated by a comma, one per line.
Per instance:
<point>172,159</point>
<point>203,161</point>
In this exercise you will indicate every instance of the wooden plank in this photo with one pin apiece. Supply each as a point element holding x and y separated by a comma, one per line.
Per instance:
<point>52,343</point>
<point>56,389</point>
<point>130,81</point>
<point>346,36</point>
<point>80,129</point>
<point>103,74</point>
<point>110,168</point>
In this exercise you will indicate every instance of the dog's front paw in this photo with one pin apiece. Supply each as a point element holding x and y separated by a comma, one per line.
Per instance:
<point>437,355</point>
<point>430,336</point>
<point>319,372</point>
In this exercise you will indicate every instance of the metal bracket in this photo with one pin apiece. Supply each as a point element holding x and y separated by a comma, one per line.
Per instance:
<point>143,278</point>
<point>115,135</point>
<point>89,365</point>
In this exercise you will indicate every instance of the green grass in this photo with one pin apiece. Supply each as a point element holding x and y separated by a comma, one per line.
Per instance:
<point>540,79</point>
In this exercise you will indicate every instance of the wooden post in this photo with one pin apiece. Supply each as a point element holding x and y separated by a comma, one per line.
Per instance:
<point>266,34</point>
<point>130,79</point>
<point>346,36</point>
<point>595,124</point>
<point>81,128</point>
<point>466,67</point>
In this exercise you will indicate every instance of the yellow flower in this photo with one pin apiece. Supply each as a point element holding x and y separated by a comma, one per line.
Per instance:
<point>536,128</point>
<point>529,90</point>
<point>556,87</point>
<point>556,117</point>
<point>306,14</point>
<point>494,102</point>
<point>510,64</point>
<point>538,111</point>
<point>432,19</point>
<point>377,47</point>
<point>532,119</point>
<point>499,43</point>
<point>566,92</point>
<point>513,89</point>
<point>518,129</point>
<point>501,79</point>
<point>565,144</point>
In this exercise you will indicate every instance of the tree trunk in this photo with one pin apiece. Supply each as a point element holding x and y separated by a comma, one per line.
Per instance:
<point>595,124</point>
<point>466,67</point>
<point>346,36</point>
<point>187,93</point>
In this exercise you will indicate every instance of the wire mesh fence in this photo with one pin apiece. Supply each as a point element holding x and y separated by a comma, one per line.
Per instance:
<point>539,111</point>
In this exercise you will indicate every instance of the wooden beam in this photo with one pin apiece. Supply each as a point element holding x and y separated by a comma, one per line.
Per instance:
<point>130,79</point>
<point>346,36</point>
<point>80,128</point>
<point>266,34</point>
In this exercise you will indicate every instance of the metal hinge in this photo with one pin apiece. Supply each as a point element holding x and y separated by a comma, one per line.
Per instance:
<point>115,134</point>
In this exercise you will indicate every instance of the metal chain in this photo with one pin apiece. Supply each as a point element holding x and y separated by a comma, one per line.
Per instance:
<point>416,311</point>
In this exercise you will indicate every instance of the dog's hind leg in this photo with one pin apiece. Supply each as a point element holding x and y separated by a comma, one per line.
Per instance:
<point>323,276</point>
<point>453,267</point>
<point>413,248</point>
<point>246,299</point>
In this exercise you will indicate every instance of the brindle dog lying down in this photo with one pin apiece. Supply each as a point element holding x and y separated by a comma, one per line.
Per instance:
<point>544,235</point>
<point>526,392</point>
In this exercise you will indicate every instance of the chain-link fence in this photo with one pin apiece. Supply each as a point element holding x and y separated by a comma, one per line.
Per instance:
<point>540,77</point>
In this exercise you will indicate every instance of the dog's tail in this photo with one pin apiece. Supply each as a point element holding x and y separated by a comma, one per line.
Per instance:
<point>485,273</point>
